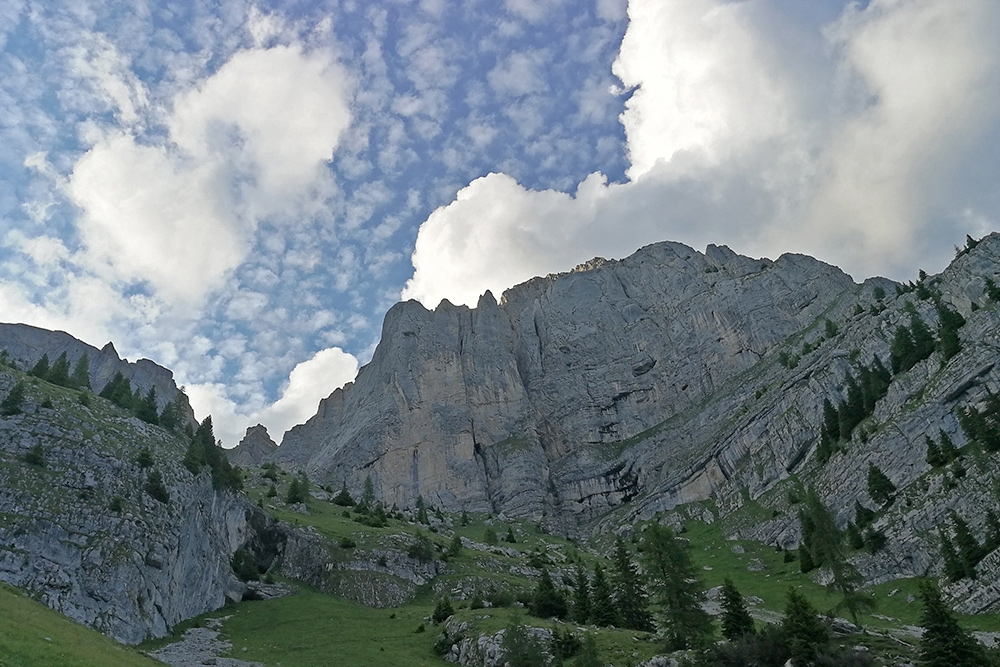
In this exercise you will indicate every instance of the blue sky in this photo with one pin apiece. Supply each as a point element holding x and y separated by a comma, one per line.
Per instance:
<point>239,190</point>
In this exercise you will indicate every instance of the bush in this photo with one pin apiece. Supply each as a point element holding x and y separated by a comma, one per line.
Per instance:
<point>490,537</point>
<point>35,456</point>
<point>155,487</point>
<point>347,543</point>
<point>421,549</point>
<point>116,504</point>
<point>12,405</point>
<point>442,610</point>
<point>145,458</point>
<point>244,566</point>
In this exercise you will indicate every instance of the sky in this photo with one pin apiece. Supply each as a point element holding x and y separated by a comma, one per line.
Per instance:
<point>239,190</point>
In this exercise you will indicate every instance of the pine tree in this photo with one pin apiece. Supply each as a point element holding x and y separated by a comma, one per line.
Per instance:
<point>992,531</point>
<point>146,410</point>
<point>969,550</point>
<point>489,536</point>
<point>344,497</point>
<point>548,602</point>
<point>588,655</point>
<point>954,568</point>
<point>581,596</point>
<point>934,457</point>
<point>510,539</point>
<point>59,373</point>
<point>13,404</point>
<point>674,579</point>
<point>630,597</point>
<point>805,633</point>
<point>948,450</point>
<point>944,642</point>
<point>172,413</point>
<point>901,350</point>
<point>80,378</point>
<point>949,322</point>
<point>521,648</point>
<point>368,496</point>
<point>880,487</point>
<point>736,620</point>
<point>923,339</point>
<point>41,368</point>
<point>602,606</point>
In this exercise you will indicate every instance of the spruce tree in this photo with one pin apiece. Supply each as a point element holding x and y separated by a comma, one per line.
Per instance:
<point>548,602</point>
<point>629,594</point>
<point>992,531</point>
<point>954,568</point>
<point>59,373</point>
<point>41,368</point>
<point>949,322</point>
<point>581,596</point>
<point>970,552</point>
<point>602,606</point>
<point>934,457</point>
<point>146,410</point>
<point>678,588</point>
<point>80,378</point>
<point>13,403</point>
<point>368,496</point>
<point>805,632</point>
<point>736,620</point>
<point>880,487</point>
<point>945,642</point>
<point>344,497</point>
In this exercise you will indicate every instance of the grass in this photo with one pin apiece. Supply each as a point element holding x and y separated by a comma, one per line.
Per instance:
<point>307,628</point>
<point>36,636</point>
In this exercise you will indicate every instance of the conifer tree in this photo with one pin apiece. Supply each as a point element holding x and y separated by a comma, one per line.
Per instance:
<point>948,450</point>
<point>59,373</point>
<point>969,550</point>
<point>581,596</point>
<point>146,410</point>
<point>805,633</point>
<point>548,602</point>
<point>602,606</point>
<point>944,641</point>
<point>630,597</point>
<point>80,378</point>
<point>934,457</point>
<point>12,404</point>
<point>344,497</point>
<point>41,367</point>
<point>368,497</point>
<point>954,568</point>
<point>736,620</point>
<point>880,487</point>
<point>992,531</point>
<point>678,588</point>
<point>510,539</point>
<point>949,322</point>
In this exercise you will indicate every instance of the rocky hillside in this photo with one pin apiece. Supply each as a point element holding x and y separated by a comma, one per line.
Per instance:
<point>101,521</point>
<point>626,388</point>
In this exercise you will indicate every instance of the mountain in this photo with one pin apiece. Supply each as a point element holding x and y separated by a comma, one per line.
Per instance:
<point>579,391</point>
<point>592,399</point>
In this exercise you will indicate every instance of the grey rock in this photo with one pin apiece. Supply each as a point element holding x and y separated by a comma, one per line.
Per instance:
<point>254,449</point>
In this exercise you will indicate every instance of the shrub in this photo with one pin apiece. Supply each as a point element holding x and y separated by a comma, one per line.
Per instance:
<point>421,549</point>
<point>490,537</point>
<point>244,566</point>
<point>442,610</point>
<point>35,456</point>
<point>12,405</point>
<point>155,487</point>
<point>116,504</point>
<point>347,543</point>
<point>145,459</point>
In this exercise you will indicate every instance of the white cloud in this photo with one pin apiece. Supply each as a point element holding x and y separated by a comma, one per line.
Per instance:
<point>251,141</point>
<point>519,74</point>
<point>707,86</point>
<point>737,135</point>
<point>308,383</point>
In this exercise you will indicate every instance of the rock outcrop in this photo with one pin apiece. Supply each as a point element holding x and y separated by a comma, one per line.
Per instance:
<point>83,532</point>
<point>526,406</point>
<point>255,448</point>
<point>26,344</point>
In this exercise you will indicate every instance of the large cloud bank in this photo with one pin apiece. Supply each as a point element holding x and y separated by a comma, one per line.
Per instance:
<point>859,142</point>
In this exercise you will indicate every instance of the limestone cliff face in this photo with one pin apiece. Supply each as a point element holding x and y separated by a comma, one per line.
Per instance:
<point>525,406</point>
<point>81,533</point>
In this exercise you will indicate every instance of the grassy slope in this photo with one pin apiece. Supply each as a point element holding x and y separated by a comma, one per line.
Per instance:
<point>34,635</point>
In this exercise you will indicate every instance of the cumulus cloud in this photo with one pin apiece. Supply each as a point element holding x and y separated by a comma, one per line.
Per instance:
<point>250,142</point>
<point>308,383</point>
<point>736,135</point>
